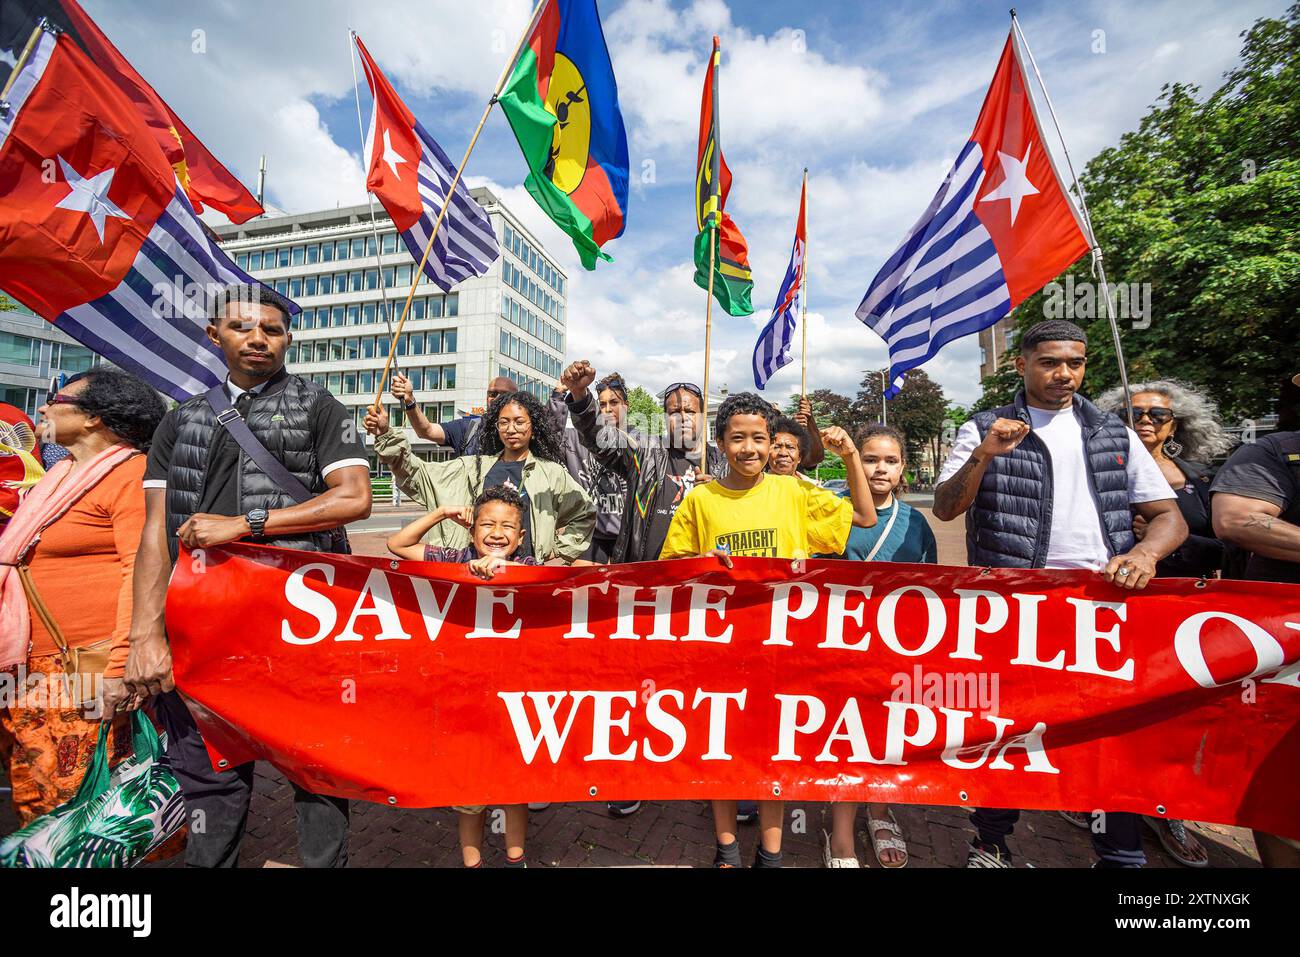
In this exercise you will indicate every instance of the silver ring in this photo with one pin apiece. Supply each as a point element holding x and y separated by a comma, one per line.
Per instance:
<point>1123,572</point>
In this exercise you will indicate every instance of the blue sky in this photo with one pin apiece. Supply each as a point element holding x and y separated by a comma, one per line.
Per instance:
<point>875,98</point>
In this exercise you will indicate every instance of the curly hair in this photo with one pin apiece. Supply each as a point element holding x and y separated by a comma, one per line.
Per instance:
<point>129,407</point>
<point>547,441</point>
<point>1199,431</point>
<point>499,493</point>
<point>744,403</point>
<point>790,427</point>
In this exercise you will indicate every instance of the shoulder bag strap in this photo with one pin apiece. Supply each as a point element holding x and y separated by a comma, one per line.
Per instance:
<point>228,416</point>
<point>889,526</point>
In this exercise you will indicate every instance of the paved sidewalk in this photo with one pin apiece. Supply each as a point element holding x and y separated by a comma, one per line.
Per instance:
<point>667,834</point>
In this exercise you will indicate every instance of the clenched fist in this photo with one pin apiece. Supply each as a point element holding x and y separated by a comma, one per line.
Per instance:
<point>1003,436</point>
<point>838,441</point>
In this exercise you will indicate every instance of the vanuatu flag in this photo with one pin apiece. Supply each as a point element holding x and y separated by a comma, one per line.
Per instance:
<point>562,102</point>
<point>732,280</point>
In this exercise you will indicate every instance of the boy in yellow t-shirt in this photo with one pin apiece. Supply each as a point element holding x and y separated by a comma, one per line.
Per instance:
<point>754,513</point>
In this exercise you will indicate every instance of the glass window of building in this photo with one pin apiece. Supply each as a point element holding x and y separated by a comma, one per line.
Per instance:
<point>326,252</point>
<point>417,379</point>
<point>404,276</point>
<point>390,242</point>
<point>352,347</point>
<point>417,309</point>
<point>453,303</point>
<point>20,350</point>
<point>449,377</point>
<point>371,248</point>
<point>336,349</point>
<point>449,340</point>
<point>417,343</point>
<point>299,255</point>
<point>505,342</point>
<point>382,344</point>
<point>366,381</point>
<point>320,352</point>
<point>434,342</point>
<point>401,345</point>
<point>284,257</point>
<point>368,347</point>
<point>435,307</point>
<point>313,254</point>
<point>309,286</point>
<point>334,382</point>
<point>295,287</point>
<point>241,260</point>
<point>358,248</point>
<point>349,383</point>
<point>282,286</point>
<point>368,313</point>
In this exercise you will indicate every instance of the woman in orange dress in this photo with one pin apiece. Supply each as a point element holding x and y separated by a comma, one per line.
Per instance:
<point>74,538</point>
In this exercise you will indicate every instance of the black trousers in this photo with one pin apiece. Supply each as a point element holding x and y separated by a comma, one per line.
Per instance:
<point>601,550</point>
<point>1118,843</point>
<point>216,802</point>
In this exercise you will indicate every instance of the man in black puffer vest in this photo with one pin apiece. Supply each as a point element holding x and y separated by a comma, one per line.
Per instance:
<point>1051,481</point>
<point>202,489</point>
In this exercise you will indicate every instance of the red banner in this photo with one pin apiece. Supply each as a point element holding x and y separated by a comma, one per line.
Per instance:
<point>415,684</point>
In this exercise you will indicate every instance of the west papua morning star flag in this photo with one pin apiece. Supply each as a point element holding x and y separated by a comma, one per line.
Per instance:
<point>206,181</point>
<point>1001,227</point>
<point>409,173</point>
<point>773,348</point>
<point>96,235</point>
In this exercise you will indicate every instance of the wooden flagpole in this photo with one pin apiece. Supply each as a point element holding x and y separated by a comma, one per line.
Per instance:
<point>1087,219</point>
<point>715,216</point>
<point>451,191</point>
<point>23,57</point>
<point>803,299</point>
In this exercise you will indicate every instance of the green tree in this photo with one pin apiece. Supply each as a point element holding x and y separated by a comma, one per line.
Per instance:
<point>918,409</point>
<point>1202,202</point>
<point>644,411</point>
<point>829,408</point>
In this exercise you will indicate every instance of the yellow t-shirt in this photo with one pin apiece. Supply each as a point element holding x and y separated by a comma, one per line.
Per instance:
<point>780,517</point>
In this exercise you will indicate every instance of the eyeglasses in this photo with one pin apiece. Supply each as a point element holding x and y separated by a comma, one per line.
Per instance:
<point>60,399</point>
<point>1157,415</point>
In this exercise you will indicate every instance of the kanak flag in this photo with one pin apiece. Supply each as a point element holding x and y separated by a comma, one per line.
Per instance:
<point>206,181</point>
<point>410,174</point>
<point>1001,227</point>
<point>96,234</point>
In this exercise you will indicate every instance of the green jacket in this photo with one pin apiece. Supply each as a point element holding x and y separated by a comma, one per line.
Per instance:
<point>555,499</point>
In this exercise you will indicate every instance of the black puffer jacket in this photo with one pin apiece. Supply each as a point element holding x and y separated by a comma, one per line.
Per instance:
<point>280,419</point>
<point>1010,522</point>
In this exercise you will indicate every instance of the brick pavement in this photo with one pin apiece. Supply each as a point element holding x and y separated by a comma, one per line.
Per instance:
<point>670,834</point>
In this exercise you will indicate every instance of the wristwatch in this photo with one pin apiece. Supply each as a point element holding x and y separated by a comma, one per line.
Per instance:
<point>256,521</point>
<point>411,405</point>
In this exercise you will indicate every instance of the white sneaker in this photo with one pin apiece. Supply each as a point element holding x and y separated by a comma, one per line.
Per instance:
<point>539,806</point>
<point>830,860</point>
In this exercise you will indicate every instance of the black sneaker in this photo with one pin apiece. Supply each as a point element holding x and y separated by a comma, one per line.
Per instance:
<point>746,812</point>
<point>623,808</point>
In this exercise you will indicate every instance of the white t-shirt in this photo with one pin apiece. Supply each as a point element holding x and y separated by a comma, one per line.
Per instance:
<point>1076,536</point>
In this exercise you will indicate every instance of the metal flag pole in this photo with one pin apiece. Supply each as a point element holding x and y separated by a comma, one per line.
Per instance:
<point>370,198</point>
<point>451,191</point>
<point>715,215</point>
<point>803,298</point>
<point>1095,248</point>
<point>884,403</point>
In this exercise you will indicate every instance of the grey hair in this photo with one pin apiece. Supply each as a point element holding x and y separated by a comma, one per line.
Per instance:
<point>1199,431</point>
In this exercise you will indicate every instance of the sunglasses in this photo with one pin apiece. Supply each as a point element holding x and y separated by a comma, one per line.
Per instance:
<point>1157,416</point>
<point>688,386</point>
<point>60,399</point>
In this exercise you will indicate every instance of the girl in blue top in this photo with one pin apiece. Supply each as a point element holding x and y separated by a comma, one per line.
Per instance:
<point>901,534</point>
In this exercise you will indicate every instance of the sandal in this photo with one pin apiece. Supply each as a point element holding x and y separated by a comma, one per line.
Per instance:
<point>879,844</point>
<point>830,860</point>
<point>1078,818</point>
<point>1176,840</point>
